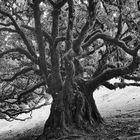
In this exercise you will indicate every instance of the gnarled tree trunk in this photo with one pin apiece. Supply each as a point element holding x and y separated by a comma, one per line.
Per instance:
<point>72,109</point>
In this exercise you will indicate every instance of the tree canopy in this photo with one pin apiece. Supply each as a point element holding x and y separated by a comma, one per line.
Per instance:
<point>46,43</point>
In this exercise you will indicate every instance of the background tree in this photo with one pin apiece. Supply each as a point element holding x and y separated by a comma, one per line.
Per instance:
<point>65,49</point>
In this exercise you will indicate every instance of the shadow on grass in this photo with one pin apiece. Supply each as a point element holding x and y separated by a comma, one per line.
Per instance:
<point>30,134</point>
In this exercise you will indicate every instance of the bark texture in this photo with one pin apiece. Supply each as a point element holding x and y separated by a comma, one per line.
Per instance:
<point>73,108</point>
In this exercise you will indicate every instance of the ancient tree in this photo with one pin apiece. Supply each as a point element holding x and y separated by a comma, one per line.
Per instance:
<point>65,49</point>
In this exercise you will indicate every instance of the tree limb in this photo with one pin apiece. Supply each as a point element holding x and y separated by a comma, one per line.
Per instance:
<point>69,36</point>
<point>109,85</point>
<point>55,18</point>
<point>29,91</point>
<point>21,51</point>
<point>78,41</point>
<point>135,78</point>
<point>39,36</point>
<point>18,112</point>
<point>111,73</point>
<point>105,37</point>
<point>8,30</point>
<point>61,4</point>
<point>20,33</point>
<point>119,26</point>
<point>45,34</point>
<point>92,34</point>
<point>23,71</point>
<point>132,84</point>
<point>119,85</point>
<point>6,25</point>
<point>52,3</point>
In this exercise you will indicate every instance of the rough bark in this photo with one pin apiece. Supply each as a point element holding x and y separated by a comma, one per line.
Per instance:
<point>72,109</point>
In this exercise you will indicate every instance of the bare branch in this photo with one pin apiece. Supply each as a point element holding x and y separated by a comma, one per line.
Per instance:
<point>71,17</point>
<point>20,33</point>
<point>92,34</point>
<point>127,39</point>
<point>59,39</point>
<point>87,53</point>
<point>124,33</point>
<point>61,4</point>
<point>105,37</point>
<point>45,34</point>
<point>21,51</point>
<point>55,16</point>
<point>135,78</point>
<point>23,71</point>
<point>132,84</point>
<point>18,112</point>
<point>29,90</point>
<point>39,36</point>
<point>111,73</point>
<point>119,26</point>
<point>52,3</point>
<point>122,85</point>
<point>6,25</point>
<point>119,85</point>
<point>109,85</point>
<point>8,30</point>
<point>78,41</point>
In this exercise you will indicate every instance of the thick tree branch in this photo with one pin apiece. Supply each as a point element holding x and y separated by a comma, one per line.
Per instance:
<point>39,36</point>
<point>78,41</point>
<point>56,78</point>
<point>111,73</point>
<point>102,67</point>
<point>71,17</point>
<point>55,16</point>
<point>20,33</point>
<point>105,37</point>
<point>58,4</point>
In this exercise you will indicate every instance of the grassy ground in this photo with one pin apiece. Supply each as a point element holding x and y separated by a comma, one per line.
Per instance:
<point>120,127</point>
<point>120,109</point>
